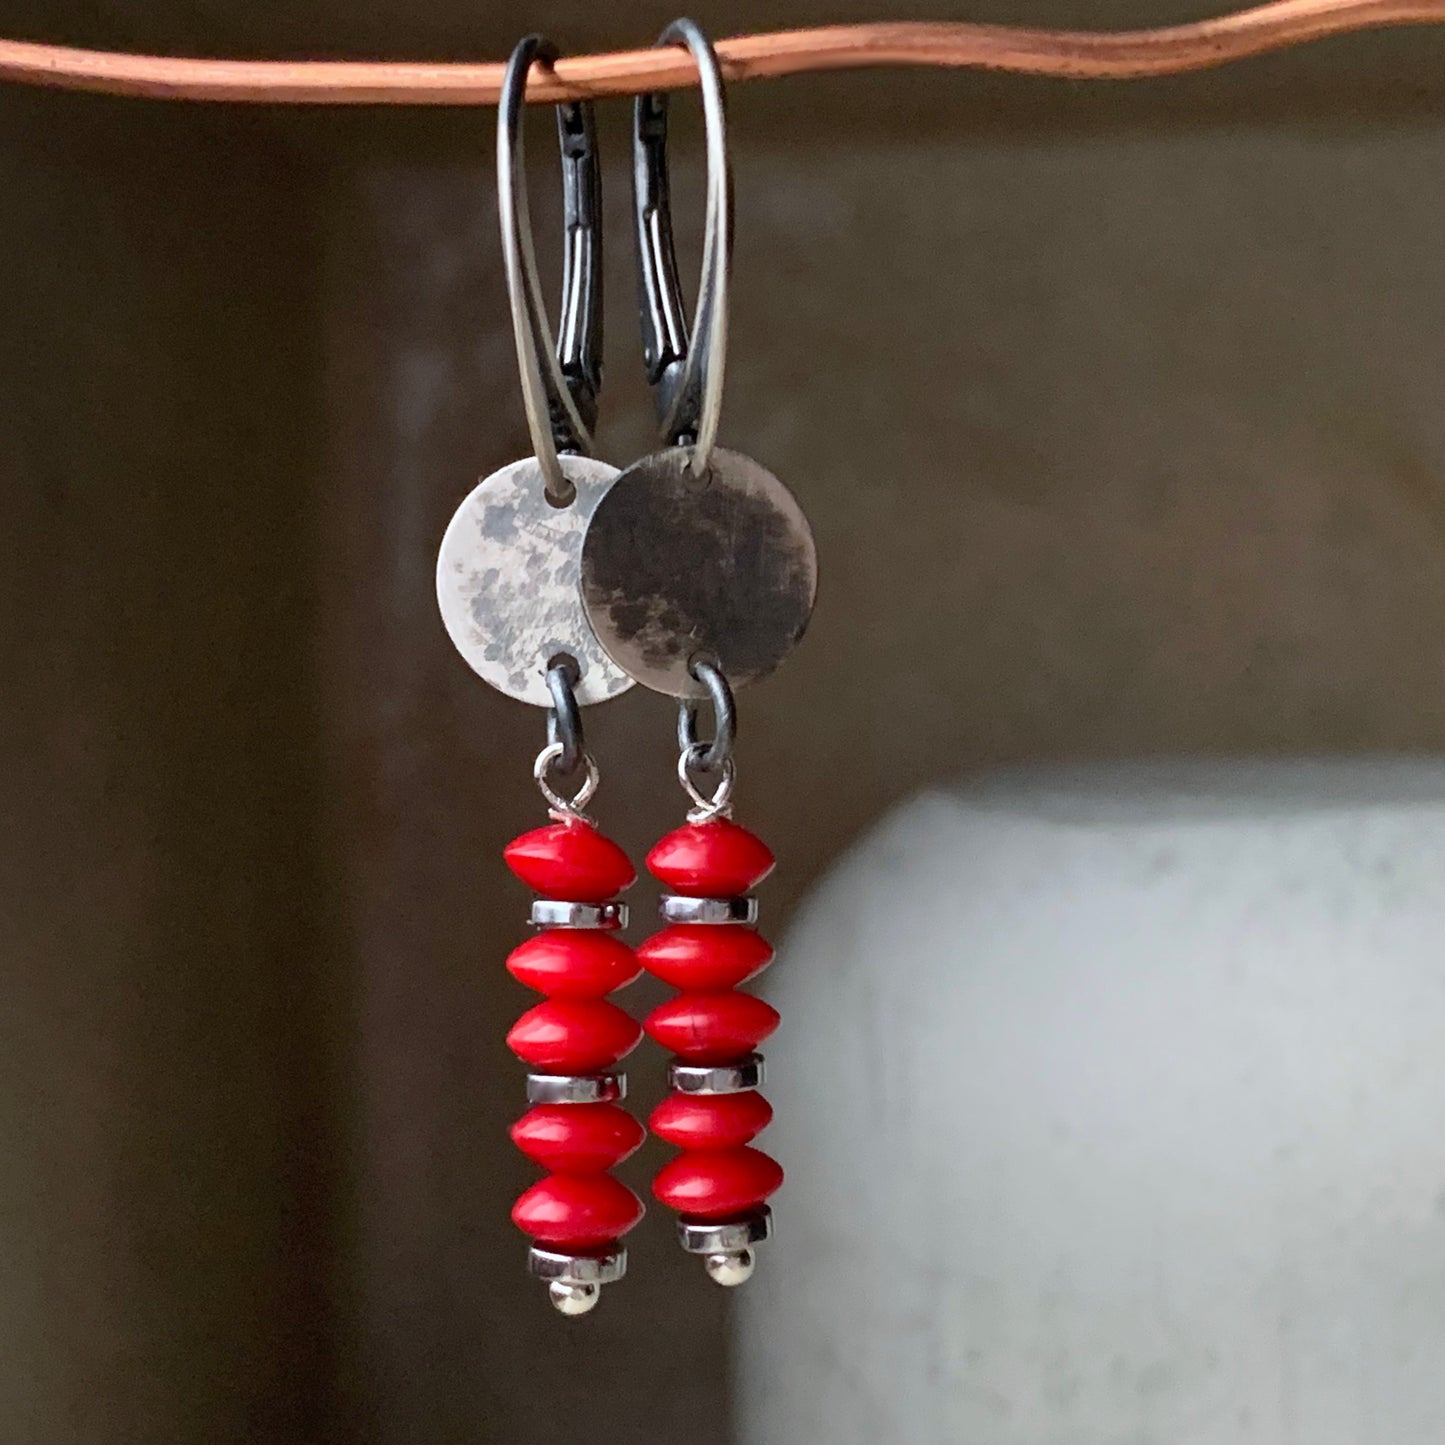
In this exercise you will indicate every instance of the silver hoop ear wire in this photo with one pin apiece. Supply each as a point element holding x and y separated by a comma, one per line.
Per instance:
<point>687,376</point>
<point>547,393</point>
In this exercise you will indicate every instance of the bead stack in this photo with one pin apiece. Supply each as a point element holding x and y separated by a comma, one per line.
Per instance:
<point>718,1184</point>
<point>577,1215</point>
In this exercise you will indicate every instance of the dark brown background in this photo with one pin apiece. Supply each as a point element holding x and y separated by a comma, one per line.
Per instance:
<point>1116,409</point>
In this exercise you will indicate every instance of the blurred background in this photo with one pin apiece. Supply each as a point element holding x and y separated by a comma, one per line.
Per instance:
<point>1116,411</point>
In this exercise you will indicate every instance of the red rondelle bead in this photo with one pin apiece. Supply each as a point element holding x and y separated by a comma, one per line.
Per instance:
<point>712,1028</point>
<point>711,860</point>
<point>574,963</point>
<point>577,1211</point>
<point>711,1121</point>
<point>704,956</point>
<point>717,1183</point>
<point>573,1035</point>
<point>578,1138</point>
<point>571,862</point>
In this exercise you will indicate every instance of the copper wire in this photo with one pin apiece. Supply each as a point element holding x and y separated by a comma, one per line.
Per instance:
<point>1101,55</point>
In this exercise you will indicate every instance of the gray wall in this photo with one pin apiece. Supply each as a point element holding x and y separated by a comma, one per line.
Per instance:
<point>160,1092</point>
<point>1114,444</point>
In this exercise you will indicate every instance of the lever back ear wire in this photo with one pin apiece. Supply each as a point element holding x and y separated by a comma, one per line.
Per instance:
<point>671,570</point>
<point>685,372</point>
<point>560,383</point>
<point>507,572</point>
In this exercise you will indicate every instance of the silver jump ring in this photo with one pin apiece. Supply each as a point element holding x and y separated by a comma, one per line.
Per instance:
<point>687,375</point>
<point>725,718</point>
<point>564,717</point>
<point>561,807</point>
<point>546,392</point>
<point>705,808</point>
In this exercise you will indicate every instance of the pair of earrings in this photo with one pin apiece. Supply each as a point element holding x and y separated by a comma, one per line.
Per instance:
<point>563,581</point>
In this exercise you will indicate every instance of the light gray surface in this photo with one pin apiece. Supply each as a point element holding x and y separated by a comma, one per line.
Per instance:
<point>1148,1144</point>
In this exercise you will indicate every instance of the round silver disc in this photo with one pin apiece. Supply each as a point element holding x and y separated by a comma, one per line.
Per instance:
<point>507,582</point>
<point>677,567</point>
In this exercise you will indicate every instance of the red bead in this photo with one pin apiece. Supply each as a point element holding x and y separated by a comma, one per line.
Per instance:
<point>578,1138</point>
<point>573,1035</point>
<point>711,1121</point>
<point>572,862</point>
<point>574,963</point>
<point>712,1028</point>
<point>577,1211</point>
<point>711,860</point>
<point>704,956</point>
<point>717,1183</point>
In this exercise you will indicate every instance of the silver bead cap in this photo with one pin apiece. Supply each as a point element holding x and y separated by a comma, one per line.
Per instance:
<point>678,908</point>
<point>737,1078</point>
<point>576,1088</point>
<point>709,1236</point>
<point>553,913</point>
<point>551,1264</point>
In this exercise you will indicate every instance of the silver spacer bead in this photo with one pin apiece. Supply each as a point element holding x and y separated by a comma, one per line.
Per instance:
<point>737,1078</point>
<point>734,1236</point>
<point>576,1088</point>
<point>551,1264</point>
<point>553,913</point>
<point>678,908</point>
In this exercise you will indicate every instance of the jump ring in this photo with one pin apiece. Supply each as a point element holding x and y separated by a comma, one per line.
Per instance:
<point>560,806</point>
<point>564,718</point>
<point>725,725</point>
<point>705,808</point>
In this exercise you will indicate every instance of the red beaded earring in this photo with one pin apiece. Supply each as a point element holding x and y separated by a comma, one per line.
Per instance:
<point>718,1185</point>
<point>507,588</point>
<point>577,1216</point>
<point>698,563</point>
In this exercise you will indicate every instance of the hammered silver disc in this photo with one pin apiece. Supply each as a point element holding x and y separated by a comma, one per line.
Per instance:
<point>676,567</point>
<point>507,582</point>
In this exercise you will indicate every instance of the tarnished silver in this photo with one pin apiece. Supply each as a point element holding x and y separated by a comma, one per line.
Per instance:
<point>677,908</point>
<point>577,1268</point>
<point>738,1078</point>
<point>562,807</point>
<point>686,373</point>
<point>564,717</point>
<point>714,753</point>
<point>576,1088</point>
<point>507,583</point>
<point>701,1236</point>
<point>705,808</point>
<point>676,566</point>
<point>554,913</point>
<point>552,391</point>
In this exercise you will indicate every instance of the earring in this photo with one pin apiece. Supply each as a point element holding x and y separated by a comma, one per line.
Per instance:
<point>707,949</point>
<point>699,574</point>
<point>507,588</point>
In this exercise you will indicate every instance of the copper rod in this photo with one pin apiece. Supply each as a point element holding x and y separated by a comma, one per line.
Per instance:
<point>1073,54</point>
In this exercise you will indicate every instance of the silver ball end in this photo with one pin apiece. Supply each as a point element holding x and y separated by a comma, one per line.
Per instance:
<point>573,1299</point>
<point>731,1270</point>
